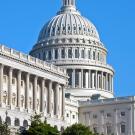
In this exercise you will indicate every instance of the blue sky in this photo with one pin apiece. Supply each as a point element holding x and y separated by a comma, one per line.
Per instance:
<point>21,21</point>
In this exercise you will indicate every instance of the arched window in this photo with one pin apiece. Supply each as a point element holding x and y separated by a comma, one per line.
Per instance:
<point>17,122</point>
<point>8,121</point>
<point>25,123</point>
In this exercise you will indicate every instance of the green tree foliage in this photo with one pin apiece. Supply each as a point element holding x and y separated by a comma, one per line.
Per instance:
<point>4,130</point>
<point>77,129</point>
<point>40,128</point>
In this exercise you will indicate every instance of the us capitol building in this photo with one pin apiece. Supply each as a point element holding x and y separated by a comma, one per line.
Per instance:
<point>65,78</point>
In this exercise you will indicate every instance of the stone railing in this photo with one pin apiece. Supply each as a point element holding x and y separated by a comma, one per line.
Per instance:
<point>107,101</point>
<point>31,60</point>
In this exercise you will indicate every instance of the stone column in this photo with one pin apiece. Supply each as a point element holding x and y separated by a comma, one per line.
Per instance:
<point>106,81</point>
<point>82,78</point>
<point>112,83</point>
<point>42,95</point>
<point>1,82</point>
<point>96,76</point>
<point>10,86</point>
<point>49,97</point>
<point>63,101</point>
<point>57,99</point>
<point>116,121</point>
<point>102,80</point>
<point>89,76</point>
<point>35,94</point>
<point>27,91</point>
<point>73,78</point>
<point>18,88</point>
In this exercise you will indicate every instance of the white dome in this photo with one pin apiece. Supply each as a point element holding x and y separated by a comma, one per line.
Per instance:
<point>68,22</point>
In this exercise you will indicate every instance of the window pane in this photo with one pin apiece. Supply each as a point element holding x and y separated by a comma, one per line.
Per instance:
<point>76,53</point>
<point>123,128</point>
<point>49,55</point>
<point>70,53</point>
<point>56,54</point>
<point>63,53</point>
<point>82,54</point>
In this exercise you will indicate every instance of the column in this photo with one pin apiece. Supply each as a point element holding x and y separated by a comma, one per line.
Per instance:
<point>63,101</point>
<point>18,88</point>
<point>106,81</point>
<point>102,80</point>
<point>10,86</point>
<point>35,94</point>
<point>82,78</point>
<point>116,122</point>
<point>73,78</point>
<point>112,83</point>
<point>49,96</point>
<point>57,99</point>
<point>1,82</point>
<point>42,95</point>
<point>27,91</point>
<point>96,79</point>
<point>89,76</point>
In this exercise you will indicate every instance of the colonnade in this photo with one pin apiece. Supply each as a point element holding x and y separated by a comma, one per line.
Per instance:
<point>46,88</point>
<point>93,79</point>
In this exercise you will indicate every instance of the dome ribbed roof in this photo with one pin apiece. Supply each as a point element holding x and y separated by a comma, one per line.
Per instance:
<point>68,22</point>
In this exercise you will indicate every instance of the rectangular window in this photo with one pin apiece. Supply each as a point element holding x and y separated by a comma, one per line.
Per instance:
<point>89,54</point>
<point>76,53</point>
<point>56,54</point>
<point>77,79</point>
<point>94,56</point>
<point>109,129</point>
<point>82,53</point>
<point>69,72</point>
<point>122,113</point>
<point>123,128</point>
<point>63,53</point>
<point>108,114</point>
<point>49,55</point>
<point>69,53</point>
<point>73,116</point>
